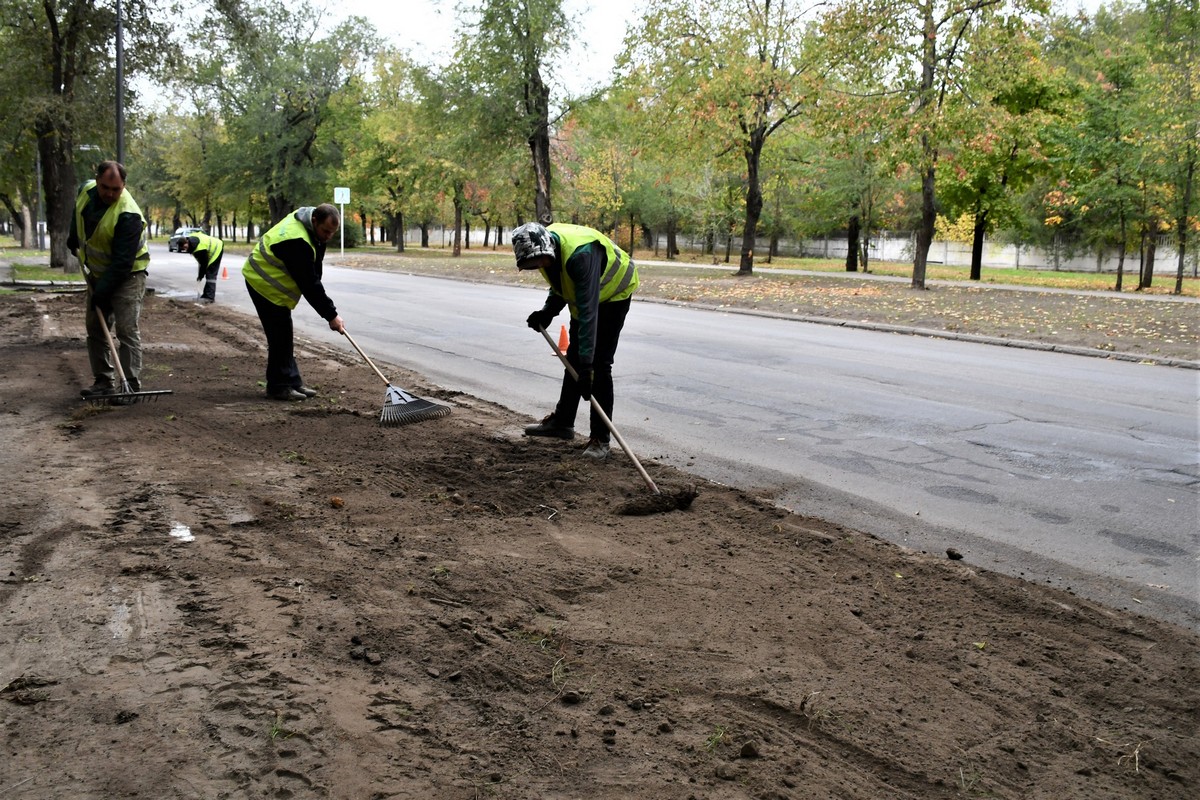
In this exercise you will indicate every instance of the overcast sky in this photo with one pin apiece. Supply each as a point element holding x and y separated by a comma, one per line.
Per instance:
<point>426,29</point>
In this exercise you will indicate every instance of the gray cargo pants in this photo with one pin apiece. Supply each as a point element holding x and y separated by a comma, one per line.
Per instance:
<point>126,313</point>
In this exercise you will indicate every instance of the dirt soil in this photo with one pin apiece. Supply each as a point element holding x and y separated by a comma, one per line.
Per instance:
<point>219,596</point>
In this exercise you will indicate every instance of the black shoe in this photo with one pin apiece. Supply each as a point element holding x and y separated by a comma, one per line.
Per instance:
<point>548,427</point>
<point>307,391</point>
<point>96,390</point>
<point>287,394</point>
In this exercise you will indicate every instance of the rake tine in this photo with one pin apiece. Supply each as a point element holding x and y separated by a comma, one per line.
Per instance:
<point>400,407</point>
<point>126,396</point>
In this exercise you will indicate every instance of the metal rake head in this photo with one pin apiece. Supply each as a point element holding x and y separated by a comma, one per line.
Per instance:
<point>126,398</point>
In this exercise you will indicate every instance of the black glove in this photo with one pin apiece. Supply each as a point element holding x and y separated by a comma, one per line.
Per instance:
<point>102,302</point>
<point>585,382</point>
<point>201,272</point>
<point>540,319</point>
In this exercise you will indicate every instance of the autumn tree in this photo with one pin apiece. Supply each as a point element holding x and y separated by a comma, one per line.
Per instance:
<point>1012,96</point>
<point>926,46</point>
<point>1174,72</point>
<point>70,96</point>
<point>275,78</point>
<point>736,69</point>
<point>506,58</point>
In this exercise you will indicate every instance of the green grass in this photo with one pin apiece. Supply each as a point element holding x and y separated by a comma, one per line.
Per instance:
<point>27,272</point>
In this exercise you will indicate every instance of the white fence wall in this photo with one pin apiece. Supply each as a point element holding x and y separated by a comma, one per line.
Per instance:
<point>995,255</point>
<point>889,248</point>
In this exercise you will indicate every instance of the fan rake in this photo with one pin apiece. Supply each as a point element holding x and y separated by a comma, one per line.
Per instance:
<point>400,407</point>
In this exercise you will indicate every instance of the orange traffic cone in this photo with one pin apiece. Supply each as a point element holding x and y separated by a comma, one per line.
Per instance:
<point>224,273</point>
<point>562,340</point>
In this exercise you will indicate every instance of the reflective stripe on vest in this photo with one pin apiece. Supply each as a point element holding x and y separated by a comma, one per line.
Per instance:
<point>620,278</point>
<point>266,273</point>
<point>211,243</point>
<point>95,252</point>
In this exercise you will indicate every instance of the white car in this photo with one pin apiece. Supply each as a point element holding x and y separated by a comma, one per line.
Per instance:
<point>179,235</point>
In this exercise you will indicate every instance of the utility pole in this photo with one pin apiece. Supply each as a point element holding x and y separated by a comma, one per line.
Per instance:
<point>120,90</point>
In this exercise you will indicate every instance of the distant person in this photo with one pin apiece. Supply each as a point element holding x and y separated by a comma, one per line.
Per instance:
<point>596,279</point>
<point>108,236</point>
<point>207,251</point>
<point>284,266</point>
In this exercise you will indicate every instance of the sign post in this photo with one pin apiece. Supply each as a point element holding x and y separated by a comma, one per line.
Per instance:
<point>341,196</point>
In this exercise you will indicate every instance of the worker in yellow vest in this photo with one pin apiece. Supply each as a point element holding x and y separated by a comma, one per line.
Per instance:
<point>284,266</point>
<point>108,236</point>
<point>207,250</point>
<point>596,280</point>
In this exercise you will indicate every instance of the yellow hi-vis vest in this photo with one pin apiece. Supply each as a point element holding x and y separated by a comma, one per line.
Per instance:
<point>95,251</point>
<point>620,278</point>
<point>212,244</point>
<point>267,274</point>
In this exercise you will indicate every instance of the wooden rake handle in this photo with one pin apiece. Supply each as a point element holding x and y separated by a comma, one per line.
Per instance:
<point>596,407</point>
<point>112,348</point>
<point>365,357</point>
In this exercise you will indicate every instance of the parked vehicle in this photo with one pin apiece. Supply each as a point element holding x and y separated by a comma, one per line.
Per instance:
<point>179,235</point>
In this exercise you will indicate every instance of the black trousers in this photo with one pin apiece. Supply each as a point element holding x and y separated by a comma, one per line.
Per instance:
<point>608,333</point>
<point>282,371</point>
<point>210,278</point>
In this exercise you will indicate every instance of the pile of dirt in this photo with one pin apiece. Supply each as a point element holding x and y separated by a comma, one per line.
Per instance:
<point>216,595</point>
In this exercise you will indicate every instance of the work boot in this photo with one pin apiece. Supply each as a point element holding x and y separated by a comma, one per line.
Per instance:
<point>597,449</point>
<point>307,391</point>
<point>287,394</point>
<point>96,390</point>
<point>548,427</point>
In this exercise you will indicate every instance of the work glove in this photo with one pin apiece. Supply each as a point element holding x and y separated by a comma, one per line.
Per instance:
<point>103,303</point>
<point>585,382</point>
<point>540,319</point>
<point>200,273</point>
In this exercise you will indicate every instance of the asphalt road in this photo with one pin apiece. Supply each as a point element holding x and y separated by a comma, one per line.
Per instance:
<point>1078,472</point>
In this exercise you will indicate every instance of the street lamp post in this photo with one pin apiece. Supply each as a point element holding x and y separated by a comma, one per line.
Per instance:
<point>37,202</point>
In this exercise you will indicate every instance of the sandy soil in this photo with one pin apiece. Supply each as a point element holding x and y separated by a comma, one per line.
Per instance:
<point>219,596</point>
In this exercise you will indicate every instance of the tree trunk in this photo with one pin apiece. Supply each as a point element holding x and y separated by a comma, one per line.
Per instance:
<point>1184,216</point>
<point>925,230</point>
<point>672,241</point>
<point>458,219</point>
<point>58,187</point>
<point>21,220</point>
<point>1120,265</point>
<point>424,226</point>
<point>538,112</point>
<point>852,234</point>
<point>977,237</point>
<point>929,60</point>
<point>754,200</point>
<point>1151,249</point>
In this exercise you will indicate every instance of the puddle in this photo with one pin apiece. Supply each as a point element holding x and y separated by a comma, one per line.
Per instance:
<point>181,532</point>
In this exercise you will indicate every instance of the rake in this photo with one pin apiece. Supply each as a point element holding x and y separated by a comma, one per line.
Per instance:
<point>125,395</point>
<point>675,499</point>
<point>400,407</point>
